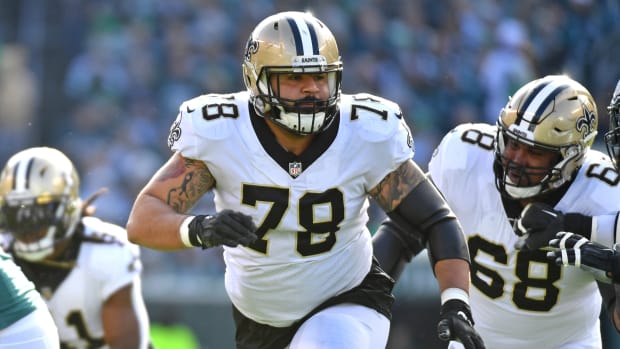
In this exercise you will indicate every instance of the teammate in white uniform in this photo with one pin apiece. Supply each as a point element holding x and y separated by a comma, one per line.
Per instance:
<point>539,151</point>
<point>292,164</point>
<point>86,269</point>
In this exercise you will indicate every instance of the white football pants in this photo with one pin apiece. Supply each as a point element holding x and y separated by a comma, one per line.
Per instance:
<point>343,326</point>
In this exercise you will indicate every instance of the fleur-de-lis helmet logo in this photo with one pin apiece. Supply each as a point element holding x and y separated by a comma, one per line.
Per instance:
<point>585,124</point>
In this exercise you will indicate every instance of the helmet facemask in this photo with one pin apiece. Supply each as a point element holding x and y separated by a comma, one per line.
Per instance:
<point>37,227</point>
<point>516,180</point>
<point>300,116</point>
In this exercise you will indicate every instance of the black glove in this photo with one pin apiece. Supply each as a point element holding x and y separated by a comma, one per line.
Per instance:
<point>456,323</point>
<point>574,249</point>
<point>540,222</point>
<point>228,227</point>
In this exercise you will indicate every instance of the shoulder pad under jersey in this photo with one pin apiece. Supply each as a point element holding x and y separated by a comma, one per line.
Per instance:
<point>374,118</point>
<point>598,177</point>
<point>109,250</point>
<point>463,143</point>
<point>212,116</point>
<point>97,230</point>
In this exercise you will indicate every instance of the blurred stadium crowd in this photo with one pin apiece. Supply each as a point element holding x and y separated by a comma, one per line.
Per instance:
<point>102,80</point>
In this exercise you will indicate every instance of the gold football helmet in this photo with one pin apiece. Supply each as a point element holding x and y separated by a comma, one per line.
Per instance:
<point>292,43</point>
<point>39,200</point>
<point>554,113</point>
<point>612,137</point>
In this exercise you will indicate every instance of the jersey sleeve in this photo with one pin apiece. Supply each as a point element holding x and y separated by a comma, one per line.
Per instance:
<point>116,261</point>
<point>123,270</point>
<point>204,118</point>
<point>383,134</point>
<point>399,148</point>
<point>595,190</point>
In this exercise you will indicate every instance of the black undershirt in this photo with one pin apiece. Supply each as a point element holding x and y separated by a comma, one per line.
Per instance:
<point>284,158</point>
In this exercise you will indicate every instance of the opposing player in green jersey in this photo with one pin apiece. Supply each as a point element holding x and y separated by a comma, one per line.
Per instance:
<point>25,321</point>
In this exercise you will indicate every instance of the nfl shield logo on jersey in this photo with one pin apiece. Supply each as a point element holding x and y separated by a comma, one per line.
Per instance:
<point>294,169</point>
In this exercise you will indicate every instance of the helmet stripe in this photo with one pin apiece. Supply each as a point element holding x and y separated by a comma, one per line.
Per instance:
<point>313,38</point>
<point>539,100</point>
<point>305,37</point>
<point>21,174</point>
<point>528,101</point>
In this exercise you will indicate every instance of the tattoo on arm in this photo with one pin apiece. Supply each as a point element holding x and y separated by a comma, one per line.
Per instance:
<point>396,185</point>
<point>197,180</point>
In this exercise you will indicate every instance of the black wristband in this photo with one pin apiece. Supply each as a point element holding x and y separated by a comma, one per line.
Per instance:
<point>578,224</point>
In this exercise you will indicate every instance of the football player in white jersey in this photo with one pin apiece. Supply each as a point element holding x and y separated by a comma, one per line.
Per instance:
<point>86,270</point>
<point>537,158</point>
<point>292,163</point>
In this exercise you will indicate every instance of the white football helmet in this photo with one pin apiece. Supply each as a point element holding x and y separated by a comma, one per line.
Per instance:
<point>554,113</point>
<point>39,200</point>
<point>285,43</point>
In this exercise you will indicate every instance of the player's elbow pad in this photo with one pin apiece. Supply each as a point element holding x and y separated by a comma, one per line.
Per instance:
<point>426,211</point>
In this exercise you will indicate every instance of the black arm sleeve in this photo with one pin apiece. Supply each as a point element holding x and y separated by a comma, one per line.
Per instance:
<point>425,210</point>
<point>392,250</point>
<point>578,224</point>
